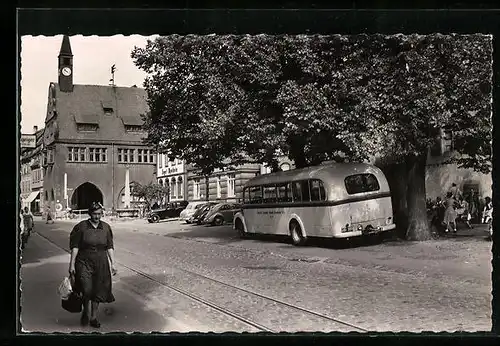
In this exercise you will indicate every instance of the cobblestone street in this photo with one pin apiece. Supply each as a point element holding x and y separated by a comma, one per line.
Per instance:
<point>178,277</point>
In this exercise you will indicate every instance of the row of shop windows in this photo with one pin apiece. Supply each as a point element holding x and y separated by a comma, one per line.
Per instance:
<point>135,155</point>
<point>83,154</point>
<point>25,186</point>
<point>125,155</point>
<point>230,183</point>
<point>164,162</point>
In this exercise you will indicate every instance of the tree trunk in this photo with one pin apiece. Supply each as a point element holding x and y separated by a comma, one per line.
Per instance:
<point>397,177</point>
<point>418,225</point>
<point>207,186</point>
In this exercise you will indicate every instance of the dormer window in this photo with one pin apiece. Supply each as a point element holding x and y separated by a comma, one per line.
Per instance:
<point>86,122</point>
<point>107,107</point>
<point>133,128</point>
<point>132,123</point>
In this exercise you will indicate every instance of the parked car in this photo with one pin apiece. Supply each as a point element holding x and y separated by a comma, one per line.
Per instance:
<point>201,212</point>
<point>222,213</point>
<point>171,210</point>
<point>191,208</point>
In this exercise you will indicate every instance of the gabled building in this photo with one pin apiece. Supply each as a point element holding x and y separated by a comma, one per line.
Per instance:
<point>172,173</point>
<point>92,140</point>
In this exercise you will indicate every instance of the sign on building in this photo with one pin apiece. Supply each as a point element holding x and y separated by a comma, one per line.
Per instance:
<point>28,141</point>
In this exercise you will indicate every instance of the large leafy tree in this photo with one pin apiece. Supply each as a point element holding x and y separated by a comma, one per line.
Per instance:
<point>150,192</point>
<point>219,99</point>
<point>193,105</point>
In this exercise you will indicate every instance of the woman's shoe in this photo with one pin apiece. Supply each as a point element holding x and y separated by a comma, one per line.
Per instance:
<point>95,323</point>
<point>84,320</point>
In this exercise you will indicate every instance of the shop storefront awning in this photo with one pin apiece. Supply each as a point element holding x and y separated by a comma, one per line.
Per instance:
<point>32,196</point>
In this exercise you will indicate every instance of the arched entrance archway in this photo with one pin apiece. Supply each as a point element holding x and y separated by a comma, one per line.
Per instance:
<point>120,199</point>
<point>85,195</point>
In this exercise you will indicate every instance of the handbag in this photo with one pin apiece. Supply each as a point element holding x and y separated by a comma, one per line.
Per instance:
<point>74,301</point>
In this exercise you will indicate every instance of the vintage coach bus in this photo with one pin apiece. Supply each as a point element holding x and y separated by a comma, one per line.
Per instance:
<point>335,200</point>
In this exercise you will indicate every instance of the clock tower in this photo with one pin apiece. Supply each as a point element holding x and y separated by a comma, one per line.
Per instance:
<point>65,66</point>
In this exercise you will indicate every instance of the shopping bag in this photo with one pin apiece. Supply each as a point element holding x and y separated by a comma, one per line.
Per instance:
<point>74,300</point>
<point>65,288</point>
<point>73,303</point>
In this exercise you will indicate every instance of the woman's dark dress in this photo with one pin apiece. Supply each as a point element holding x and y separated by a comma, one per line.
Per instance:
<point>93,274</point>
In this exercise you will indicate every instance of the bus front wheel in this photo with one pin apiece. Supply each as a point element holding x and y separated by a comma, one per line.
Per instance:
<point>240,229</point>
<point>298,238</point>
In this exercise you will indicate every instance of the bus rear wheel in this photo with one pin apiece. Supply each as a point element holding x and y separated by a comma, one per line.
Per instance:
<point>296,234</point>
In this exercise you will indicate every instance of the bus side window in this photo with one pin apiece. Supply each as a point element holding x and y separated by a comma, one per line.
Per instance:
<point>322,191</point>
<point>288,194</point>
<point>314,185</point>
<point>270,194</point>
<point>297,191</point>
<point>281,190</point>
<point>245,195</point>
<point>255,195</point>
<point>306,195</point>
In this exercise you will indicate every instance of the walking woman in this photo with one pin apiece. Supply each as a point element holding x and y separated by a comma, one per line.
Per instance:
<point>450,214</point>
<point>92,263</point>
<point>29,223</point>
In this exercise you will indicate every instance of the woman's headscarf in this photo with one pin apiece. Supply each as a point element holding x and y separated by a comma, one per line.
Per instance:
<point>94,206</point>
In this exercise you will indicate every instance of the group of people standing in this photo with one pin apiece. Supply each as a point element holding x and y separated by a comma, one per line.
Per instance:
<point>464,208</point>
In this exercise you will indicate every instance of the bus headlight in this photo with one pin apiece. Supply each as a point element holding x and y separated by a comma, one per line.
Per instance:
<point>360,227</point>
<point>388,221</point>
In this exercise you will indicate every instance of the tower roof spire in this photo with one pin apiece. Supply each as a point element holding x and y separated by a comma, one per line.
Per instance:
<point>65,47</point>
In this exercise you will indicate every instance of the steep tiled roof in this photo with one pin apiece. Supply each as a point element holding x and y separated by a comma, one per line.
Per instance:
<point>87,102</point>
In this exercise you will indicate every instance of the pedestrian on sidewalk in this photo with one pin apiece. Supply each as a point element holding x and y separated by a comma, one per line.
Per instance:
<point>487,216</point>
<point>92,263</point>
<point>450,214</point>
<point>464,212</point>
<point>28,221</point>
<point>50,217</point>
<point>455,191</point>
<point>23,231</point>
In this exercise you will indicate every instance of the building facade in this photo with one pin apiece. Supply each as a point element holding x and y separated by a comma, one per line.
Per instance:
<point>439,177</point>
<point>92,141</point>
<point>172,173</point>
<point>32,175</point>
<point>224,185</point>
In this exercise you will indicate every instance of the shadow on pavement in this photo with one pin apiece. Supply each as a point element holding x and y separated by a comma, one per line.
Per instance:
<point>226,235</point>
<point>44,266</point>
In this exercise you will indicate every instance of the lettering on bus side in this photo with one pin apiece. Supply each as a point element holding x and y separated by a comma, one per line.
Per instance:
<point>274,212</point>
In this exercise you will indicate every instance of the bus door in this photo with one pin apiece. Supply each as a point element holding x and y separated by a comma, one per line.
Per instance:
<point>252,216</point>
<point>284,192</point>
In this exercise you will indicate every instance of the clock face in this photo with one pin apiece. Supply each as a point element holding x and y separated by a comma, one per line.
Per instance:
<point>66,71</point>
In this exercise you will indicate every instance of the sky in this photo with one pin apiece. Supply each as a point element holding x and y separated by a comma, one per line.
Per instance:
<point>93,57</point>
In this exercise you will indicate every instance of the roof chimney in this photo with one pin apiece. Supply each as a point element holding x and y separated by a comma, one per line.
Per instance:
<point>35,129</point>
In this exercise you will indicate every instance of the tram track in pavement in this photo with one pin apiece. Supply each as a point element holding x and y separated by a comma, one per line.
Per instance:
<point>248,321</point>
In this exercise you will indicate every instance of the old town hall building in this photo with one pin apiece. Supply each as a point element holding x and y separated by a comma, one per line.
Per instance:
<point>92,139</point>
